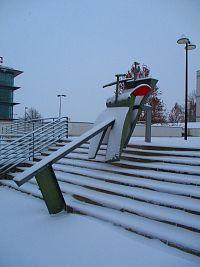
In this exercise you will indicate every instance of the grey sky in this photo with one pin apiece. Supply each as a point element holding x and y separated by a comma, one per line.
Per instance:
<point>74,47</point>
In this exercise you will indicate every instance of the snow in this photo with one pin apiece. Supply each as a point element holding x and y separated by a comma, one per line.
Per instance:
<point>31,237</point>
<point>144,194</point>
<point>122,203</point>
<point>192,142</point>
<point>179,189</point>
<point>191,125</point>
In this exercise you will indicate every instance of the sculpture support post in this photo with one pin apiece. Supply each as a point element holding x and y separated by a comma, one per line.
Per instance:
<point>148,110</point>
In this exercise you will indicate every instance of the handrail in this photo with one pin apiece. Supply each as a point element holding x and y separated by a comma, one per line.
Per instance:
<point>25,176</point>
<point>22,142</point>
<point>24,126</point>
<point>26,135</point>
<point>23,139</point>
<point>32,143</point>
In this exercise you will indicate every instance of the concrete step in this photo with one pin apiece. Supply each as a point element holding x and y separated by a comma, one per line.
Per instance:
<point>150,152</point>
<point>160,186</point>
<point>126,155</point>
<point>107,171</point>
<point>163,147</point>
<point>165,167</point>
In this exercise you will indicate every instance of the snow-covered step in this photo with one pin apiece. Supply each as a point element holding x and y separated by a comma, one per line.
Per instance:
<point>170,234</point>
<point>179,189</point>
<point>80,150</point>
<point>177,168</point>
<point>171,159</point>
<point>147,195</point>
<point>157,175</point>
<point>28,188</point>
<point>132,156</point>
<point>173,151</point>
<point>171,146</point>
<point>109,173</point>
<point>160,198</point>
<point>161,152</point>
<point>149,210</point>
<point>135,157</point>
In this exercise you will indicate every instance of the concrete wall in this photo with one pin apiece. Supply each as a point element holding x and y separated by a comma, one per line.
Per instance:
<point>198,97</point>
<point>159,131</point>
<point>195,132</point>
<point>78,128</point>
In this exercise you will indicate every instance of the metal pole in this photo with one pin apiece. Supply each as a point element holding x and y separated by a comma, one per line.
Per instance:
<point>186,88</point>
<point>60,107</point>
<point>148,111</point>
<point>148,125</point>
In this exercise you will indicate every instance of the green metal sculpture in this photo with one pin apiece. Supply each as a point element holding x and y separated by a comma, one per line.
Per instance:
<point>125,108</point>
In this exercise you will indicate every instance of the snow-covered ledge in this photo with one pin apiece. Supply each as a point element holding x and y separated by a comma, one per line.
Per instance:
<point>78,128</point>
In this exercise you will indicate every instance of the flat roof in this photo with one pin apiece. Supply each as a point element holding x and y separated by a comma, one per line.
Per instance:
<point>8,87</point>
<point>10,70</point>
<point>8,103</point>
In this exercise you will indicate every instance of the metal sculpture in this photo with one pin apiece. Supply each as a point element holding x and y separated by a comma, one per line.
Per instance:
<point>126,109</point>
<point>114,127</point>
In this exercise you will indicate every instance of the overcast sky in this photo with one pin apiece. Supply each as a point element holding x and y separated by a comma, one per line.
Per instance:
<point>74,47</point>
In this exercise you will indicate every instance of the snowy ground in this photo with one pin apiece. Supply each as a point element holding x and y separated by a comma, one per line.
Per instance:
<point>30,237</point>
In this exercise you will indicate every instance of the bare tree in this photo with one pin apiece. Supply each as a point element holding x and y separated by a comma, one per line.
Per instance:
<point>192,107</point>
<point>159,114</point>
<point>31,114</point>
<point>176,114</point>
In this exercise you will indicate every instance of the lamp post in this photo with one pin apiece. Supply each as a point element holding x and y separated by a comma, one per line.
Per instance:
<point>60,96</point>
<point>188,46</point>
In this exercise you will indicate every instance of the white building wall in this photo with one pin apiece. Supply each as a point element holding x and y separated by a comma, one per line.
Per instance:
<point>198,97</point>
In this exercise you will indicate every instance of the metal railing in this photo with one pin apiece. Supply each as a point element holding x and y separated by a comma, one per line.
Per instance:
<point>25,176</point>
<point>31,144</point>
<point>25,126</point>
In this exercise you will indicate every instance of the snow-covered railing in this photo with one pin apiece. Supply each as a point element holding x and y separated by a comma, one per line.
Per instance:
<point>44,173</point>
<point>25,176</point>
<point>32,144</point>
<point>25,126</point>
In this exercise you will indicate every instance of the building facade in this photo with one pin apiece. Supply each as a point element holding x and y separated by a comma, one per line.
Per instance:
<point>7,89</point>
<point>198,97</point>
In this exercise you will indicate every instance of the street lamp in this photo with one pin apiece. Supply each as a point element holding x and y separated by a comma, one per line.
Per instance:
<point>188,46</point>
<point>60,96</point>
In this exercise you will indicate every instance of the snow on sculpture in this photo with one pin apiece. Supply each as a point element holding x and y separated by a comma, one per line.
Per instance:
<point>126,109</point>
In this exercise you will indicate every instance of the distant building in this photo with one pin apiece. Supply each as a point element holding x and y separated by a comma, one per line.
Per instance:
<point>7,89</point>
<point>198,97</point>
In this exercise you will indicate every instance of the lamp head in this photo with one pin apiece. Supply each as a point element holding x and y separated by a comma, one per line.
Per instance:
<point>191,46</point>
<point>183,40</point>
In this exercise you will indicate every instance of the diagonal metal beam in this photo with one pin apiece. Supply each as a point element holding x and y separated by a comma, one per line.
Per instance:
<point>25,176</point>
